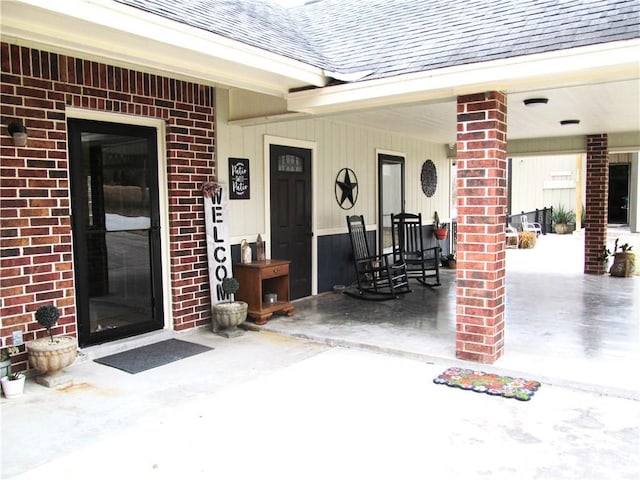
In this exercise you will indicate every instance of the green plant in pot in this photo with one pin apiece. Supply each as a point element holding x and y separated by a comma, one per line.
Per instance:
<point>12,383</point>
<point>228,315</point>
<point>562,218</point>
<point>50,355</point>
<point>624,261</point>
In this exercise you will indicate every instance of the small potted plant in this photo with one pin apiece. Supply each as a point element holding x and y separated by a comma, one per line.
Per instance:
<point>439,229</point>
<point>451,260</point>
<point>624,261</point>
<point>606,258</point>
<point>562,218</point>
<point>228,315</point>
<point>13,384</point>
<point>50,355</point>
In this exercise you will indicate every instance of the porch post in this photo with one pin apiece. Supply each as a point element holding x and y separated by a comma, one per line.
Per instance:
<point>482,203</point>
<point>596,208</point>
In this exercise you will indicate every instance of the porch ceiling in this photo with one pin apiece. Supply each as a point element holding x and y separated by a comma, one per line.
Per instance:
<point>609,107</point>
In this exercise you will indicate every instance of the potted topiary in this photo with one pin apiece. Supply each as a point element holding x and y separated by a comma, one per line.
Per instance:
<point>439,229</point>
<point>228,315</point>
<point>50,355</point>
<point>562,218</point>
<point>624,260</point>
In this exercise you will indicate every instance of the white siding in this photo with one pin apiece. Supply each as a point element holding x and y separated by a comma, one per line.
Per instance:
<point>546,181</point>
<point>338,145</point>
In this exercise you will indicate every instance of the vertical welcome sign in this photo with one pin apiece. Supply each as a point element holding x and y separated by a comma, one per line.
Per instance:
<point>218,247</point>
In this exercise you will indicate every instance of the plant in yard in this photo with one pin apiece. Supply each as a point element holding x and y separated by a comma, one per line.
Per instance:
<point>624,260</point>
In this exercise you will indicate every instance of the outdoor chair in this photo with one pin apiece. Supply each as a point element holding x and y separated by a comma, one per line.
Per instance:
<point>530,226</point>
<point>408,247</point>
<point>377,277</point>
<point>510,233</point>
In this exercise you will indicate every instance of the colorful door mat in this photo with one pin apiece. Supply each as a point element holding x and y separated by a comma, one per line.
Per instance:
<point>151,356</point>
<point>508,387</point>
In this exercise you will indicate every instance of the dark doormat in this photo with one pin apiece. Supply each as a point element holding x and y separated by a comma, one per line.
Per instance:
<point>150,356</point>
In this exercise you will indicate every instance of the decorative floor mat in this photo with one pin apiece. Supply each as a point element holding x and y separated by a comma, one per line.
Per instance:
<point>490,383</point>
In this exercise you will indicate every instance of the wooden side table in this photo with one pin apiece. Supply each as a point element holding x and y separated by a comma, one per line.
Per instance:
<point>260,277</point>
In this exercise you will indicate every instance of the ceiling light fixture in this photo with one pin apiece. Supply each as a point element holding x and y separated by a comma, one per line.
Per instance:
<point>569,122</point>
<point>534,102</point>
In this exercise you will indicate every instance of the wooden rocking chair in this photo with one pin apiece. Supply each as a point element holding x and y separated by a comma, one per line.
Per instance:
<point>408,248</point>
<point>377,277</point>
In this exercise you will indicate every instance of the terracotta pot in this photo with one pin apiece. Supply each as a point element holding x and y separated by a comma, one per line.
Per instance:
<point>440,233</point>
<point>51,357</point>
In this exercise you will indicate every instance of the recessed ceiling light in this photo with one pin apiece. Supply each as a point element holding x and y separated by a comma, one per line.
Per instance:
<point>533,102</point>
<point>569,122</point>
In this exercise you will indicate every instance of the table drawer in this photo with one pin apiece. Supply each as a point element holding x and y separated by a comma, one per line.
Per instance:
<point>275,271</point>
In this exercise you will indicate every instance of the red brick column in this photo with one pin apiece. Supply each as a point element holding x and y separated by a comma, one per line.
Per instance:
<point>596,210</point>
<point>482,201</point>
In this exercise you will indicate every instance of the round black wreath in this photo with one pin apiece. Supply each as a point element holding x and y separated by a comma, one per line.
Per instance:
<point>428,178</point>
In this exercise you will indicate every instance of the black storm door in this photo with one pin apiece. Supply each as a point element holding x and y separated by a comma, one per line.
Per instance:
<point>116,230</point>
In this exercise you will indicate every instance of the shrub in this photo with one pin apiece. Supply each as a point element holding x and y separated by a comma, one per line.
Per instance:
<point>526,239</point>
<point>48,316</point>
<point>560,215</point>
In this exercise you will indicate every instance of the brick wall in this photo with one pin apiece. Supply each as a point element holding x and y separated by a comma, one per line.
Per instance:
<point>35,242</point>
<point>482,204</point>
<point>596,203</point>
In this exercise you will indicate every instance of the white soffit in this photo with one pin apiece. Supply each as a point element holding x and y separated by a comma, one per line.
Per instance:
<point>579,66</point>
<point>125,36</point>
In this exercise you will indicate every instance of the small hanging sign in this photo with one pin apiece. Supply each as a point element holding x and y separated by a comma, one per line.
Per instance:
<point>239,179</point>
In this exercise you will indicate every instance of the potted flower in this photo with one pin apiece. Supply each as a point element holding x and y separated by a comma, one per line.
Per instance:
<point>624,260</point>
<point>439,229</point>
<point>50,355</point>
<point>228,315</point>
<point>562,218</point>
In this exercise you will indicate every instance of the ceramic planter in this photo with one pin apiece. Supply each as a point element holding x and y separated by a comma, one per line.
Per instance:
<point>561,228</point>
<point>50,358</point>
<point>13,388</point>
<point>624,264</point>
<point>227,316</point>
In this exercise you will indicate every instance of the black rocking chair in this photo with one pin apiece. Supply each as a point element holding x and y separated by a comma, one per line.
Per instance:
<point>408,248</point>
<point>377,277</point>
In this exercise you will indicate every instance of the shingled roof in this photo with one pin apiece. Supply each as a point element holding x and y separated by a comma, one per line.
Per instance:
<point>382,38</point>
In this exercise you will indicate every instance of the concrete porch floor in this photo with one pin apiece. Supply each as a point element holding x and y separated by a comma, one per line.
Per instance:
<point>290,401</point>
<point>562,326</point>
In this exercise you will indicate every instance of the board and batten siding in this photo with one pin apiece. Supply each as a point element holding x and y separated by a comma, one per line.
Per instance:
<point>338,145</point>
<point>545,181</point>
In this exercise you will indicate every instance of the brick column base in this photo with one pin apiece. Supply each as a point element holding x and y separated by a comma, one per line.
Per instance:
<point>482,202</point>
<point>596,208</point>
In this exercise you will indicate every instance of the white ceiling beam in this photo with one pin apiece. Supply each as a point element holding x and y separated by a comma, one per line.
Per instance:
<point>619,60</point>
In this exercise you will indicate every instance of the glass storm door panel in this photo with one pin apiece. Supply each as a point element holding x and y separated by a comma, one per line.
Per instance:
<point>116,230</point>
<point>391,196</point>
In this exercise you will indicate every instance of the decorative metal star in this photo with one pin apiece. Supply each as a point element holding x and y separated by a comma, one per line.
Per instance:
<point>346,188</point>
